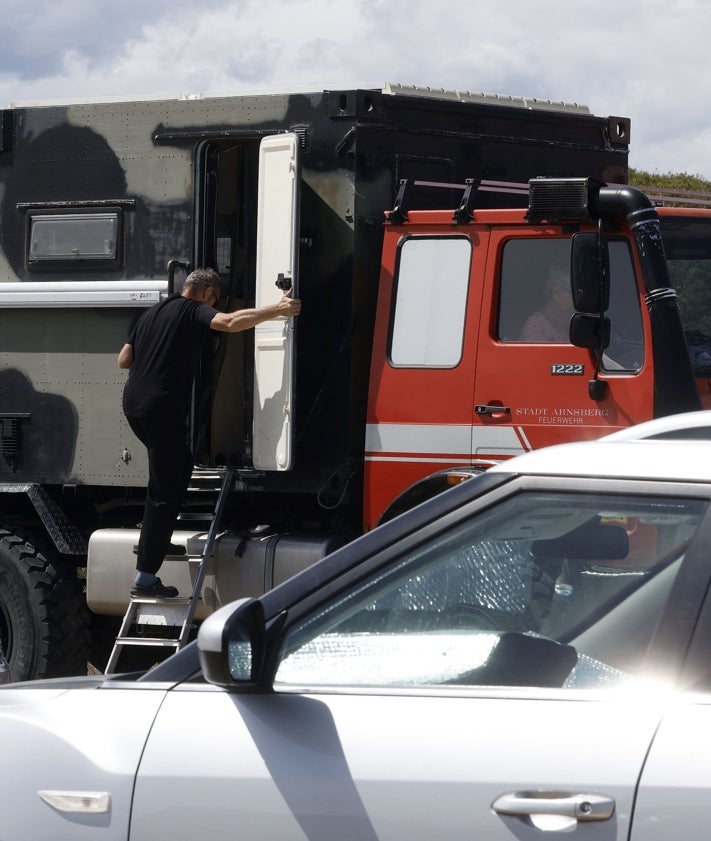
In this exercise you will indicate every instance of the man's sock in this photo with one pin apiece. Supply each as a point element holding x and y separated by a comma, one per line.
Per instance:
<point>145,579</point>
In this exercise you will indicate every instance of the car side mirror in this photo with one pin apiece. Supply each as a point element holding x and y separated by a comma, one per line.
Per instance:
<point>231,644</point>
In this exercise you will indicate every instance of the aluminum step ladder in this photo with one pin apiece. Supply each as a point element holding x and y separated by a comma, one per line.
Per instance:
<point>178,612</point>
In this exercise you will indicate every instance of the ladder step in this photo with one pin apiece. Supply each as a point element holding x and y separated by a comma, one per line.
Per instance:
<point>215,475</point>
<point>155,641</point>
<point>173,600</point>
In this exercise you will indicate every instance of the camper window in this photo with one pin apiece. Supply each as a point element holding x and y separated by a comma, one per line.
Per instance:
<point>63,239</point>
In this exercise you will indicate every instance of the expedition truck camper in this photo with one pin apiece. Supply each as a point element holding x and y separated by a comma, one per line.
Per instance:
<point>405,361</point>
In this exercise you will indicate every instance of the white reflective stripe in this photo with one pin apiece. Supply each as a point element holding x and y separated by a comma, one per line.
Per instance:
<point>383,440</point>
<point>417,438</point>
<point>526,443</point>
<point>432,460</point>
<point>85,802</point>
<point>114,293</point>
<point>498,441</point>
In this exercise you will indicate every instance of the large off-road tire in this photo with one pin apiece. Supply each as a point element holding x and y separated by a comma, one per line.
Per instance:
<point>44,620</point>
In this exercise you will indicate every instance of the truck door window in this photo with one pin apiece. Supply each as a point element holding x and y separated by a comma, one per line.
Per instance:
<point>626,349</point>
<point>535,302</point>
<point>430,299</point>
<point>532,307</point>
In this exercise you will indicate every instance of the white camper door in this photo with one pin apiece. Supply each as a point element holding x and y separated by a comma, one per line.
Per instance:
<point>277,258</point>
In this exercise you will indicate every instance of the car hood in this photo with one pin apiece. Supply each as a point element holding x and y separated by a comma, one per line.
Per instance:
<point>36,691</point>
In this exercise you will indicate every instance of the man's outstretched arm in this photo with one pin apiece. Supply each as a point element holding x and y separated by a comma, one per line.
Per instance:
<point>234,322</point>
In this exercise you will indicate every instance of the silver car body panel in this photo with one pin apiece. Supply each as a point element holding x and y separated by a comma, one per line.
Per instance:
<point>387,765</point>
<point>673,799</point>
<point>78,740</point>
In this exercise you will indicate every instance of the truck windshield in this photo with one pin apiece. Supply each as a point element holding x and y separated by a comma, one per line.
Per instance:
<point>687,243</point>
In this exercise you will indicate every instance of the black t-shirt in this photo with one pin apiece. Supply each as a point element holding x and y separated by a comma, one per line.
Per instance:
<point>167,342</point>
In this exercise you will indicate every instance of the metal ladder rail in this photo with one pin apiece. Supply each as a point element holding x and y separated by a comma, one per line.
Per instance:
<point>225,488</point>
<point>189,602</point>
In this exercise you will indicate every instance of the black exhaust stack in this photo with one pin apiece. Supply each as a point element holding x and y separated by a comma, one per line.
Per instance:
<point>674,385</point>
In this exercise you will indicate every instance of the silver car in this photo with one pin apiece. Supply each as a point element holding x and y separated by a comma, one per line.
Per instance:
<point>4,668</point>
<point>526,653</point>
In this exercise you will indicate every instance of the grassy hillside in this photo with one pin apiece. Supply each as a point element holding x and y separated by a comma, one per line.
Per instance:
<point>669,180</point>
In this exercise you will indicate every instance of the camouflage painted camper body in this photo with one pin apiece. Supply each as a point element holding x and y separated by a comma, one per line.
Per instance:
<point>97,198</point>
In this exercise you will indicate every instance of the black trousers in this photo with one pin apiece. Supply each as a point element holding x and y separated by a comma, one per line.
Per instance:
<point>170,466</point>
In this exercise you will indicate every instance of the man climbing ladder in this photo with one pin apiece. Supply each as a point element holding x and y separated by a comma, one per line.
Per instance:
<point>161,355</point>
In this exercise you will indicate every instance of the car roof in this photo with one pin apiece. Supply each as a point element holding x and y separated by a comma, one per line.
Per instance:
<point>684,426</point>
<point>681,453</point>
<point>649,459</point>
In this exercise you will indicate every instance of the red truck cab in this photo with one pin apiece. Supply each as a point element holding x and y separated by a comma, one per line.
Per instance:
<point>468,366</point>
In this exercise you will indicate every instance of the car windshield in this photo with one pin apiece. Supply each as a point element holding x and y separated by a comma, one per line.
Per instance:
<point>542,589</point>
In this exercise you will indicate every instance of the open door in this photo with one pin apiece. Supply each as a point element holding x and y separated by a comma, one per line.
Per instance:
<point>277,266</point>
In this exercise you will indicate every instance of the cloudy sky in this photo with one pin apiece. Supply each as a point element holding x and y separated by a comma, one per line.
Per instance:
<point>645,59</point>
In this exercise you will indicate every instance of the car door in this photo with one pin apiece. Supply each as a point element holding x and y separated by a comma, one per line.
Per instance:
<point>674,790</point>
<point>481,677</point>
<point>673,794</point>
<point>388,766</point>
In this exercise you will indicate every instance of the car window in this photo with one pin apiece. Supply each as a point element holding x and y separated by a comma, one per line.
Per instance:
<point>543,589</point>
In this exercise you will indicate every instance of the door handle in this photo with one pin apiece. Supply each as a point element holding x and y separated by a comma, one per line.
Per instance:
<point>582,807</point>
<point>487,409</point>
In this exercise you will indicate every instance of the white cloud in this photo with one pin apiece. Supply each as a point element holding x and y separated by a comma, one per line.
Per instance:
<point>646,60</point>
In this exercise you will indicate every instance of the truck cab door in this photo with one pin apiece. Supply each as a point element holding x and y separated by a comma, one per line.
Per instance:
<point>276,271</point>
<point>531,387</point>
<point>424,357</point>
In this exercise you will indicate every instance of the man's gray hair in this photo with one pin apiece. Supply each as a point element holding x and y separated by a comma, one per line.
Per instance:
<point>202,279</point>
